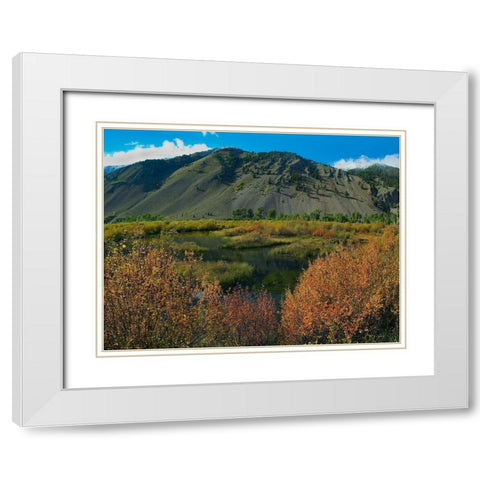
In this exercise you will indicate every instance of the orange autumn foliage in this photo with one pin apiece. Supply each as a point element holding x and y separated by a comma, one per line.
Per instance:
<point>149,304</point>
<point>351,295</point>
<point>321,232</point>
<point>154,297</point>
<point>242,318</point>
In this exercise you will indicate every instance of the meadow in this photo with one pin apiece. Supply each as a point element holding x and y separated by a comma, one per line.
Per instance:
<point>224,283</point>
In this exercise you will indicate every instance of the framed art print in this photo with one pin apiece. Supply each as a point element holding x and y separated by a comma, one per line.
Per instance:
<point>203,240</point>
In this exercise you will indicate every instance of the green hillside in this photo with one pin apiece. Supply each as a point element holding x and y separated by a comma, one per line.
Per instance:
<point>216,183</point>
<point>378,174</point>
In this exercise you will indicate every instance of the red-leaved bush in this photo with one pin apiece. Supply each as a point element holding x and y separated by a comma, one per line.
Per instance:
<point>348,296</point>
<point>240,317</point>
<point>149,304</point>
<point>351,295</point>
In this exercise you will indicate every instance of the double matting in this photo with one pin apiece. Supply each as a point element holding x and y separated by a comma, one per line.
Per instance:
<point>41,395</point>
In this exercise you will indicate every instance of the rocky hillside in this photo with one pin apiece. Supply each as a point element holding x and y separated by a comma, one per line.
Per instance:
<point>216,183</point>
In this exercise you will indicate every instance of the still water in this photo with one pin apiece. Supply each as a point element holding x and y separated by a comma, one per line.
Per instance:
<point>274,273</point>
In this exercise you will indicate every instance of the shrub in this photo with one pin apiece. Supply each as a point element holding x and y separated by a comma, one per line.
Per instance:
<point>321,232</point>
<point>147,303</point>
<point>351,295</point>
<point>151,303</point>
<point>242,318</point>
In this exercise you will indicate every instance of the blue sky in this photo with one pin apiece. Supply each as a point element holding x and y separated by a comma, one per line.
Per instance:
<point>124,147</point>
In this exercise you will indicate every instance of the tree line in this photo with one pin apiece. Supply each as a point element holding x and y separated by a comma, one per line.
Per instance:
<point>389,218</point>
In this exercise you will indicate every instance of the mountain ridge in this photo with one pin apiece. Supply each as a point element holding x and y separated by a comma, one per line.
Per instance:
<point>215,183</point>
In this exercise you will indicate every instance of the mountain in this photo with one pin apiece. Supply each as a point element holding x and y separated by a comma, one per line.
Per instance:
<point>384,182</point>
<point>213,184</point>
<point>110,168</point>
<point>378,173</point>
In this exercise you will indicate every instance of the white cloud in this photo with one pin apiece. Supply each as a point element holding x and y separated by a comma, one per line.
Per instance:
<point>140,152</point>
<point>211,133</point>
<point>364,162</point>
<point>129,144</point>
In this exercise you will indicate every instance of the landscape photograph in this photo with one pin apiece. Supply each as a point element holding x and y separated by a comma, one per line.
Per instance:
<point>222,239</point>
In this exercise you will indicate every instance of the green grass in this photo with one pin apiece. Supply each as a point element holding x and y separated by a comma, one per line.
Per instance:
<point>235,228</point>
<point>252,240</point>
<point>303,249</point>
<point>188,247</point>
<point>226,273</point>
<point>249,252</point>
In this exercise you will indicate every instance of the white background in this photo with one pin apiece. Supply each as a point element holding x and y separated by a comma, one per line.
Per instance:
<point>411,34</point>
<point>85,370</point>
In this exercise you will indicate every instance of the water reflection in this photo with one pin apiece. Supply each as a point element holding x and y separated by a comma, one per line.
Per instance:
<point>274,273</point>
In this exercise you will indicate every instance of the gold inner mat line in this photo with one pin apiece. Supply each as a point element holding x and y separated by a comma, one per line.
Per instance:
<point>102,125</point>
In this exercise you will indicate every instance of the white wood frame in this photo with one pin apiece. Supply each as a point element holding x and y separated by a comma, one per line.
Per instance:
<point>39,398</point>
